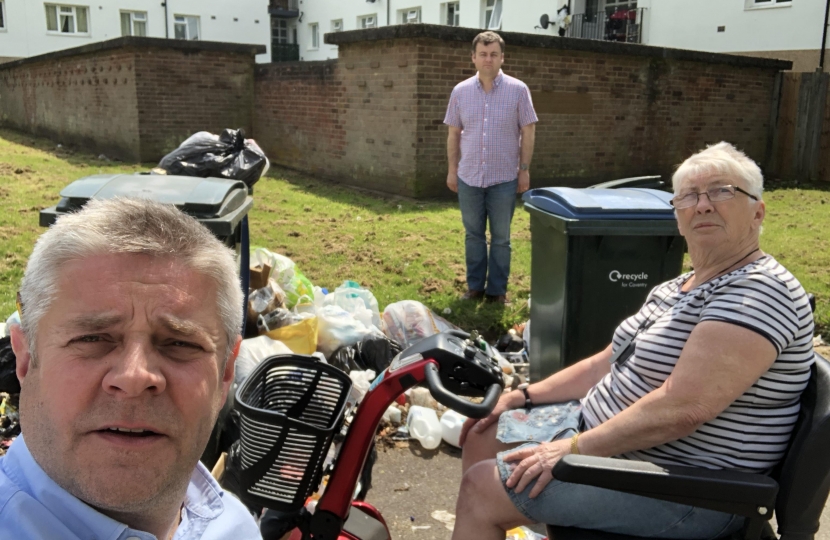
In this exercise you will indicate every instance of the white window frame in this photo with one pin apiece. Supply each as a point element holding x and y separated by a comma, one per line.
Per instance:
<point>766,4</point>
<point>337,25</point>
<point>73,13</point>
<point>185,21</point>
<point>456,13</point>
<point>314,35</point>
<point>134,19</point>
<point>363,21</point>
<point>492,14</point>
<point>409,15</point>
<point>3,23</point>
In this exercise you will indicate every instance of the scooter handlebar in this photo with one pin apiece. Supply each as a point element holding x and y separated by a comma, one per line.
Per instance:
<point>448,399</point>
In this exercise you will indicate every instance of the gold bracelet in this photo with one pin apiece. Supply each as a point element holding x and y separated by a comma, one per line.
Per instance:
<point>574,445</point>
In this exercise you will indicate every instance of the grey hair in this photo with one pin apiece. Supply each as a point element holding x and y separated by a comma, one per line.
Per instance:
<point>725,159</point>
<point>121,226</point>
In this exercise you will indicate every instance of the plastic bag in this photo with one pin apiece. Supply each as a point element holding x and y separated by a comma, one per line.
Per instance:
<point>278,318</point>
<point>282,268</point>
<point>300,337</point>
<point>8,367</point>
<point>252,352</point>
<point>338,328</point>
<point>357,300</point>
<point>361,381</point>
<point>228,155</point>
<point>409,321</point>
<point>374,352</point>
<point>298,290</point>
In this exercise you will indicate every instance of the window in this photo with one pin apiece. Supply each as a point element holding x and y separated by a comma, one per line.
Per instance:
<point>767,3</point>
<point>367,21</point>
<point>133,23</point>
<point>186,27</point>
<point>492,14</point>
<point>451,13</point>
<point>2,15</point>
<point>409,15</point>
<point>279,30</point>
<point>315,35</point>
<point>67,19</point>
<point>337,26</point>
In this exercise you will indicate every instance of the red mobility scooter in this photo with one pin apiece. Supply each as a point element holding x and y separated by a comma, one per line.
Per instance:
<point>290,407</point>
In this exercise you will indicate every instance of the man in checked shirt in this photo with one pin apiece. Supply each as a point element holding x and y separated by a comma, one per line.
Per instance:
<point>492,127</point>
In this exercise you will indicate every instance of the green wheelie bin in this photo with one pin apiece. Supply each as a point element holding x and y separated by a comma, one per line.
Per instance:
<point>595,256</point>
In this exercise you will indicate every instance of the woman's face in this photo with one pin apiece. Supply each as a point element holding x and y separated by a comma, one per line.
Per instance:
<point>720,224</point>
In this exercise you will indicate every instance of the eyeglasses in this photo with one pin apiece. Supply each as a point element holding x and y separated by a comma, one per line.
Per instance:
<point>715,194</point>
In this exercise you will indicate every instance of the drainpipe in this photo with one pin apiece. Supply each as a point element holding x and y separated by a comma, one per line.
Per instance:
<point>388,23</point>
<point>824,37</point>
<point>167,24</point>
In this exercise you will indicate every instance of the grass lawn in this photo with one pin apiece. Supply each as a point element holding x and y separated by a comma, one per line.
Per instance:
<point>399,248</point>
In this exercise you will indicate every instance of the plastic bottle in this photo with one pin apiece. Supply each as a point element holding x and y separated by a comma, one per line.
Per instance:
<point>424,425</point>
<point>451,423</point>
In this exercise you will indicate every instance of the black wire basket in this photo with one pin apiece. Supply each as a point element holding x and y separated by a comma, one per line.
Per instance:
<point>290,407</point>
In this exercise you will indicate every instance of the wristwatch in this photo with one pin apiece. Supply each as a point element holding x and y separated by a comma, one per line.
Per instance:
<point>523,388</point>
<point>524,166</point>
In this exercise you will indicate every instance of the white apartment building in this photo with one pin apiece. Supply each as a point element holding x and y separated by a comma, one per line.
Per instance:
<point>33,27</point>
<point>788,29</point>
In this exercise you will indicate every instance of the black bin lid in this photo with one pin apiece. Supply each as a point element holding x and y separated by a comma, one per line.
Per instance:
<point>219,204</point>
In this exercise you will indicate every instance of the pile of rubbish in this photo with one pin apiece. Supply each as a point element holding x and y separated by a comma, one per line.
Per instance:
<point>9,394</point>
<point>345,328</point>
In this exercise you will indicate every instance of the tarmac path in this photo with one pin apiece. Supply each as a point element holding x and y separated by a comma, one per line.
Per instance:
<point>409,484</point>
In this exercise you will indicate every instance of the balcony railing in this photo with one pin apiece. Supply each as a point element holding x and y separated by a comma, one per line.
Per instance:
<point>624,25</point>
<point>285,52</point>
<point>284,9</point>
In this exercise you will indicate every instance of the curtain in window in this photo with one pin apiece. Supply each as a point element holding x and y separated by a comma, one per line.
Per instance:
<point>495,19</point>
<point>67,24</point>
<point>126,27</point>
<point>193,28</point>
<point>140,28</point>
<point>180,28</point>
<point>80,14</point>
<point>52,18</point>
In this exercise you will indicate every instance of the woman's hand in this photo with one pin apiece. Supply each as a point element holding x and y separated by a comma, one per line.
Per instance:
<point>507,402</point>
<point>534,462</point>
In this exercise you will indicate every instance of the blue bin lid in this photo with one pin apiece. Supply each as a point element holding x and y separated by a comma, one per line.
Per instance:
<point>605,204</point>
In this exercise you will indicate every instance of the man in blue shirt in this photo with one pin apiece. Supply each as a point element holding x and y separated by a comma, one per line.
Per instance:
<point>130,321</point>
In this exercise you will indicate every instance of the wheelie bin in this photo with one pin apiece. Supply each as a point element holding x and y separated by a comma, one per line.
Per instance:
<point>595,256</point>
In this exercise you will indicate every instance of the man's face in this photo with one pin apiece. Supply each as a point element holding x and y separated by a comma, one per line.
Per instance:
<point>127,379</point>
<point>488,59</point>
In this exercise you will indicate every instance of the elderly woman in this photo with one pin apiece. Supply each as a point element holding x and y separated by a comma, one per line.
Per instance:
<point>707,374</point>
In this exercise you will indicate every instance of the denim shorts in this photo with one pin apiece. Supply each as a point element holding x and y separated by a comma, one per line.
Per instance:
<point>588,507</point>
<point>540,424</point>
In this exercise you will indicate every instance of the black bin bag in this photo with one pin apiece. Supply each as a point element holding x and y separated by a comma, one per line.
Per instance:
<point>229,155</point>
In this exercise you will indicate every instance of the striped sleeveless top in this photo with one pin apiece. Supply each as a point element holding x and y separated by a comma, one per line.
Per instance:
<point>753,432</point>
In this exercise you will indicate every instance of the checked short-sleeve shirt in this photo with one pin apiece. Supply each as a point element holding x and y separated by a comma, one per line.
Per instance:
<point>491,124</point>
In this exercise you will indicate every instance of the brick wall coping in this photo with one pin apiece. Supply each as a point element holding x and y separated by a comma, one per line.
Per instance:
<point>140,42</point>
<point>454,33</point>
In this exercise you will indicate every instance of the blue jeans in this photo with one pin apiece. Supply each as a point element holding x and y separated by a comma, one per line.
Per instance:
<point>478,205</point>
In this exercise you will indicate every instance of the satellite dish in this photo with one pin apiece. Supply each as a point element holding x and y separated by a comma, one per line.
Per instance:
<point>544,21</point>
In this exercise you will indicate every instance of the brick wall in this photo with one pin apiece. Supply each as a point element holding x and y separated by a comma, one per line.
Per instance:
<point>352,119</point>
<point>180,93</point>
<point>606,110</point>
<point>87,100</point>
<point>130,98</point>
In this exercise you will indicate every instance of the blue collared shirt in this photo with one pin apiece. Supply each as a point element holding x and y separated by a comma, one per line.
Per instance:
<point>34,507</point>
